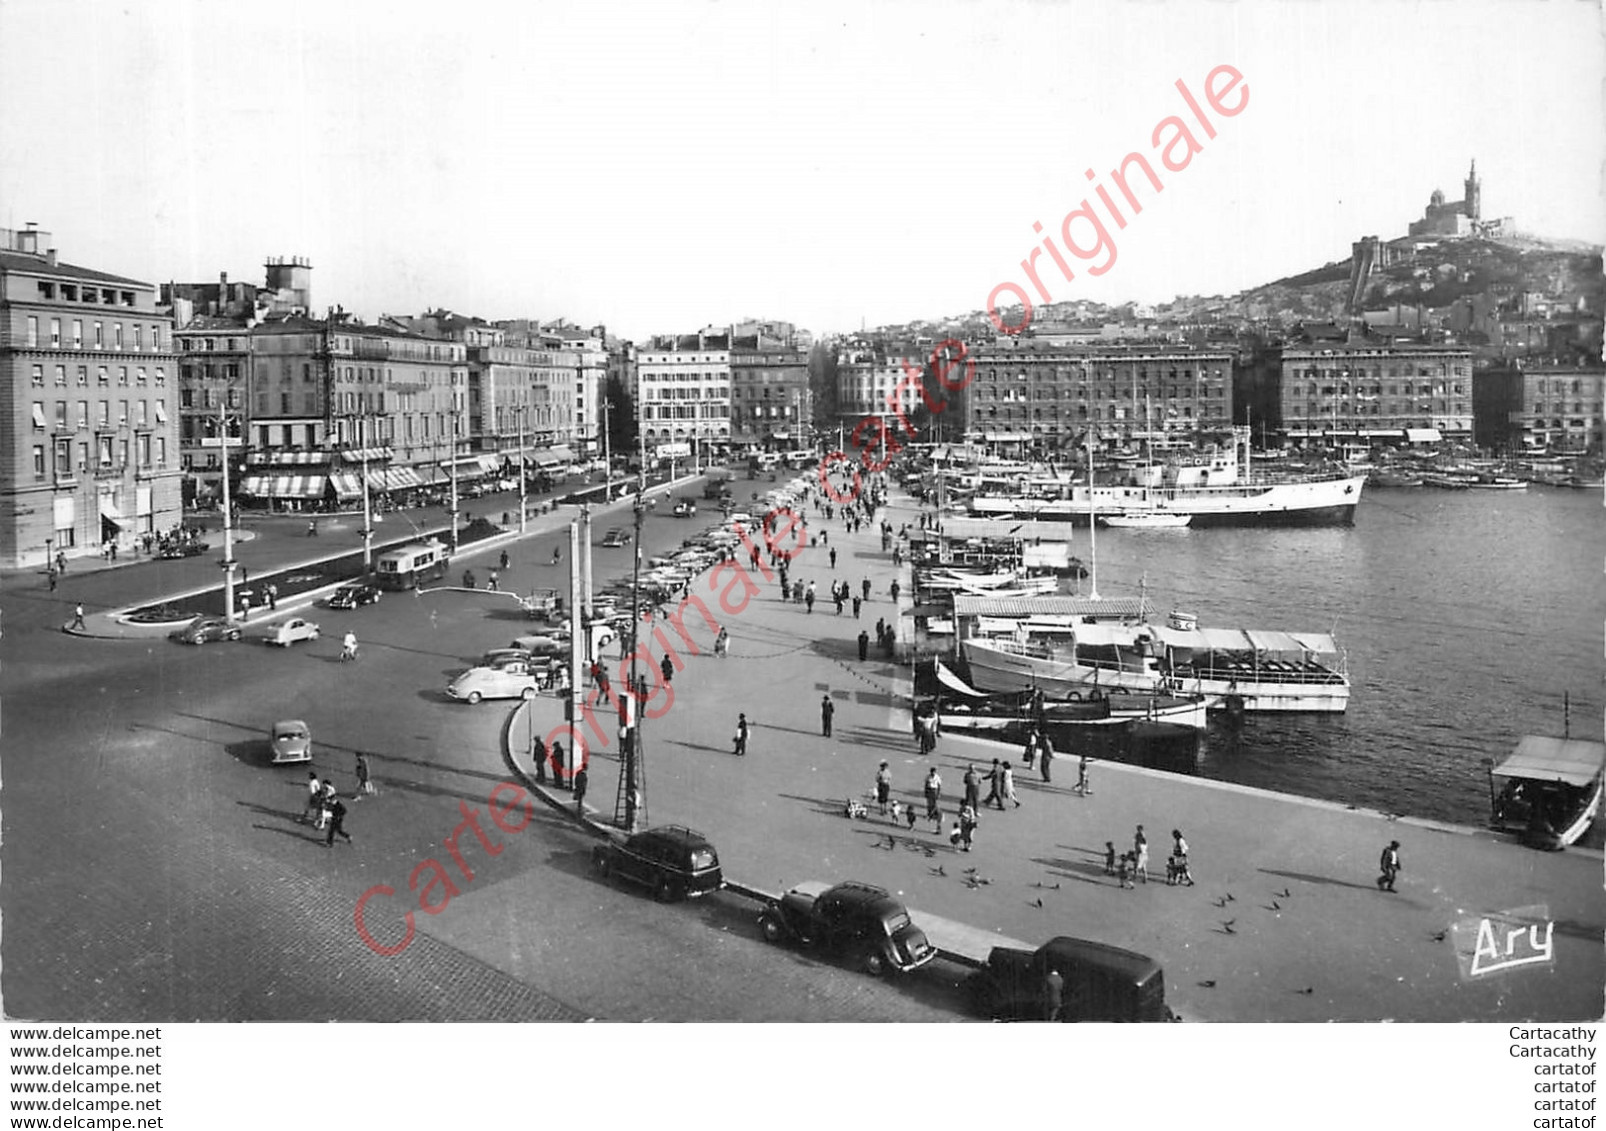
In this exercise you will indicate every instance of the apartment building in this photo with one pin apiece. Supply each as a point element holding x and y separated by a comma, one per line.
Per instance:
<point>684,405</point>
<point>88,364</point>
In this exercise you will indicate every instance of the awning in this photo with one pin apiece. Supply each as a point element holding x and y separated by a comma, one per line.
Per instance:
<point>347,486</point>
<point>287,459</point>
<point>285,486</point>
<point>402,478</point>
<point>372,455</point>
<point>1125,608</point>
<point>1423,435</point>
<point>560,452</point>
<point>109,512</point>
<point>1539,758</point>
<point>468,467</point>
<point>1124,635</point>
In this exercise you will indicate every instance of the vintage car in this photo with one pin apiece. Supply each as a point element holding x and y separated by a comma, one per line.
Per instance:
<point>354,596</point>
<point>1098,983</point>
<point>674,861</point>
<point>685,509</point>
<point>291,741</point>
<point>182,548</point>
<point>202,630</point>
<point>616,537</point>
<point>861,921</point>
<point>290,631</point>
<point>515,678</point>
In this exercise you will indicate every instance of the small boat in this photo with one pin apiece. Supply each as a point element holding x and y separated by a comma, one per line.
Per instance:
<point>1491,482</point>
<point>1147,520</point>
<point>1384,477</point>
<point>1551,790</point>
<point>1008,714</point>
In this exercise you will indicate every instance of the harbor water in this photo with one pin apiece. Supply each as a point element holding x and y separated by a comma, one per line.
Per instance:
<point>1466,617</point>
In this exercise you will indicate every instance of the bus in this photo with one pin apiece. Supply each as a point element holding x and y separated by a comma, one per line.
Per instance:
<point>407,566</point>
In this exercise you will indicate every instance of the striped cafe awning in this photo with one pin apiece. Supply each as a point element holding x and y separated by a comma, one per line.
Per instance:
<point>346,486</point>
<point>285,486</point>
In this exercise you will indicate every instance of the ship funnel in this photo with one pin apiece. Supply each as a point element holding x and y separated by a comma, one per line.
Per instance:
<point>1181,621</point>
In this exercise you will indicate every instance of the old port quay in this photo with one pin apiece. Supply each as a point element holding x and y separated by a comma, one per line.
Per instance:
<point>1285,921</point>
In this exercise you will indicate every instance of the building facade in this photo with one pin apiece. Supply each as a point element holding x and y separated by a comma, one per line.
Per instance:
<point>685,396</point>
<point>1556,409</point>
<point>92,382</point>
<point>872,383</point>
<point>1028,397</point>
<point>771,403</point>
<point>1362,392</point>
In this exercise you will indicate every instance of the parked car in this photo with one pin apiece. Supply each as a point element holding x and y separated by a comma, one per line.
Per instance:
<point>674,861</point>
<point>860,920</point>
<point>288,632</point>
<point>354,596</point>
<point>517,679</point>
<point>550,644</point>
<point>183,548</point>
<point>685,509</point>
<point>291,742</point>
<point>616,537</point>
<point>1099,983</point>
<point>202,630</point>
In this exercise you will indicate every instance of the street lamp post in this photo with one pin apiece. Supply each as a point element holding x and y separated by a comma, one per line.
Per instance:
<point>228,524</point>
<point>523,490</point>
<point>451,464</point>
<point>367,512</point>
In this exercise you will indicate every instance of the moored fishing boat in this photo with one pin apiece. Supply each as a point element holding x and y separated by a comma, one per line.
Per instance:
<point>1150,520</point>
<point>964,707</point>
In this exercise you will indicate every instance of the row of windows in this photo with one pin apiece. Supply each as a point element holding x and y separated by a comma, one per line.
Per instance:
<point>97,338</point>
<point>1114,393</point>
<point>1557,385</point>
<point>1361,374</point>
<point>1392,408</point>
<point>1343,390</point>
<point>110,454</point>
<point>103,376</point>
<point>1083,373</point>
<point>209,345</point>
<point>1578,406</point>
<point>1082,412</point>
<point>686,412</point>
<point>75,292</point>
<point>103,414</point>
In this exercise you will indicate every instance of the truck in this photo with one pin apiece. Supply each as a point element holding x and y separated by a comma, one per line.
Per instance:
<point>860,920</point>
<point>1099,983</point>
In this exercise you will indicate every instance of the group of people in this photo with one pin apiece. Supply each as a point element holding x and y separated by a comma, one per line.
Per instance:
<point>325,811</point>
<point>1133,865</point>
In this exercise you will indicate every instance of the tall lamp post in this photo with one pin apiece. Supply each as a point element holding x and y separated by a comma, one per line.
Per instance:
<point>360,438</point>
<point>451,465</point>
<point>631,805</point>
<point>523,490</point>
<point>228,523</point>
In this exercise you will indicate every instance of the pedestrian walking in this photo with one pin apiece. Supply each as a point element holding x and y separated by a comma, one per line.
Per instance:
<point>1124,870</point>
<point>1045,757</point>
<point>827,711</point>
<point>365,781</point>
<point>972,788</point>
<point>933,791</point>
<point>78,615</point>
<point>1109,858</point>
<point>856,606</point>
<point>326,803</point>
<point>491,581</point>
<point>837,594</point>
<point>557,554</point>
<point>883,786</point>
<point>1178,871</point>
<point>864,586</point>
<point>336,813</point>
<point>468,579</point>
<point>668,668</point>
<point>965,833</point>
<point>1007,787</point>
<point>894,589</point>
<point>864,642</point>
<point>1140,854</point>
<point>741,735</point>
<point>808,597</point>
<point>538,754</point>
<point>722,643</point>
<point>504,560</point>
<point>245,606</point>
<point>1053,996</point>
<point>995,785</point>
<point>61,562</point>
<point>581,780</point>
<point>1388,866</point>
<point>1082,786</point>
<point>833,557</point>
<point>314,799</point>
<point>272,591</point>
<point>50,577</point>
<point>1029,749</point>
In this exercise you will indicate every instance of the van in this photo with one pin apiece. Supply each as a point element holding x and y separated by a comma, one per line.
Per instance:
<point>1101,983</point>
<point>409,566</point>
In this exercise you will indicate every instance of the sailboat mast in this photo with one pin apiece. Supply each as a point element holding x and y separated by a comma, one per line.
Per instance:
<point>1092,524</point>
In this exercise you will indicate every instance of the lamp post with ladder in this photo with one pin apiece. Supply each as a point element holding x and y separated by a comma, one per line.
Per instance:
<point>630,805</point>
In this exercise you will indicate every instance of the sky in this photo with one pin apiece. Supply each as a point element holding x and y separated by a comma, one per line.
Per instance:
<point>661,167</point>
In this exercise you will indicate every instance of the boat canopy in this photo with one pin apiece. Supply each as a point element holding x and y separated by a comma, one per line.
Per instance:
<point>1240,640</point>
<point>1124,635</point>
<point>1540,758</point>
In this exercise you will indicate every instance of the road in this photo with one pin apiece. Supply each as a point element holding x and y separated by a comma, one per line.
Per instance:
<point>155,870</point>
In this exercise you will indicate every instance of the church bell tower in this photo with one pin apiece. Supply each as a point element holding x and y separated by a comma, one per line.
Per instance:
<point>1472,202</point>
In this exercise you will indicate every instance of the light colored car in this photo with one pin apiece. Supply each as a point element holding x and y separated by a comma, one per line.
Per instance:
<point>291,742</point>
<point>510,679</point>
<point>551,644</point>
<point>288,632</point>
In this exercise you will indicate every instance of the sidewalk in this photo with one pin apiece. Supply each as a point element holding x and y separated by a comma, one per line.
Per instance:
<point>1333,948</point>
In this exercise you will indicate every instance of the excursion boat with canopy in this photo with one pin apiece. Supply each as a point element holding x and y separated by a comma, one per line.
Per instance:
<point>1238,669</point>
<point>1549,790</point>
<point>963,707</point>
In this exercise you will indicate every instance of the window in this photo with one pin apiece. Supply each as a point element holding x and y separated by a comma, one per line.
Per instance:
<point>100,337</point>
<point>100,375</point>
<point>38,461</point>
<point>47,290</point>
<point>63,459</point>
<point>161,375</point>
<point>61,415</point>
<point>105,451</point>
<point>117,335</point>
<point>139,376</point>
<point>122,375</point>
<point>139,336</point>
<point>83,414</point>
<point>161,451</point>
<point>122,453</point>
<point>103,419</point>
<point>284,403</point>
<point>33,330</point>
<point>122,414</point>
<point>83,376</point>
<point>161,412</point>
<point>145,449</point>
<point>83,455</point>
<point>39,414</point>
<point>39,376</point>
<point>55,333</point>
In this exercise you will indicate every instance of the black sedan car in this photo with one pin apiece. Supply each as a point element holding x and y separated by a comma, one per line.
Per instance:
<point>354,596</point>
<point>202,630</point>
<point>674,861</point>
<point>862,921</point>
<point>182,548</point>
